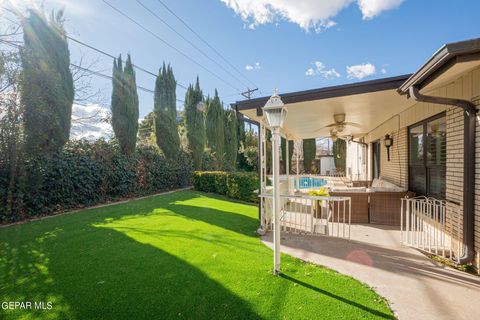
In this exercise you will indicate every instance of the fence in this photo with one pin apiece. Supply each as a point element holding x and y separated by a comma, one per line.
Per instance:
<point>313,215</point>
<point>432,226</point>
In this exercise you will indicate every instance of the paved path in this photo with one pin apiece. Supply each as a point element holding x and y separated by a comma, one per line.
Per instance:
<point>415,286</point>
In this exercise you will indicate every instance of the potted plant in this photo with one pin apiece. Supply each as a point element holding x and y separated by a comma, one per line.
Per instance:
<point>322,192</point>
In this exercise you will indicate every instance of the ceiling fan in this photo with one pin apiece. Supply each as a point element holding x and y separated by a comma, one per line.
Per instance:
<point>334,135</point>
<point>340,123</point>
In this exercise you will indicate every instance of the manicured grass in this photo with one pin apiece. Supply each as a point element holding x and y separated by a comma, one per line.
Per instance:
<point>184,255</point>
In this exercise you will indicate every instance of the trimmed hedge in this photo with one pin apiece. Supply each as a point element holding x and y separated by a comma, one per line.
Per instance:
<point>236,185</point>
<point>84,174</point>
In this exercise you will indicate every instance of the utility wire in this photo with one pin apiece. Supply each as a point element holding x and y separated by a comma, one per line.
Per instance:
<point>102,52</point>
<point>92,72</point>
<point>191,43</point>
<point>168,44</point>
<point>205,42</point>
<point>113,57</point>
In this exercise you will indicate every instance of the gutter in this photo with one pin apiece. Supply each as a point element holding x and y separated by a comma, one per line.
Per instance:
<point>469,111</point>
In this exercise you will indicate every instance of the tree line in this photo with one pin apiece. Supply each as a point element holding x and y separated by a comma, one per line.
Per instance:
<point>213,134</point>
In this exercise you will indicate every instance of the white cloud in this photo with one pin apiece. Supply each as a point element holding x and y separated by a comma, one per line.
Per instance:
<point>321,71</point>
<point>310,72</point>
<point>372,8</point>
<point>314,15</point>
<point>90,122</point>
<point>250,67</point>
<point>383,71</point>
<point>360,71</point>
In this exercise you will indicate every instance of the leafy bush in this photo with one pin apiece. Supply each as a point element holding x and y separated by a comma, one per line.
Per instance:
<point>85,173</point>
<point>236,185</point>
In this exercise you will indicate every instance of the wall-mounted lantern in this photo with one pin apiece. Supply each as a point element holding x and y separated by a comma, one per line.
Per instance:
<point>388,142</point>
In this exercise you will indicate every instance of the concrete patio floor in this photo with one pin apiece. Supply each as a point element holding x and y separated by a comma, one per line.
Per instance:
<point>415,286</point>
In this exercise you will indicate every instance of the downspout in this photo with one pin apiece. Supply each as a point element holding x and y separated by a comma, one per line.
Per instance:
<point>469,110</point>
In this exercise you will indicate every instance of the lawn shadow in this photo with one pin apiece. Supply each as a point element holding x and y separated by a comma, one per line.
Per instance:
<point>181,203</point>
<point>109,275</point>
<point>229,220</point>
<point>337,297</point>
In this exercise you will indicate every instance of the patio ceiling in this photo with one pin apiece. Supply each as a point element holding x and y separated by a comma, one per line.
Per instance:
<point>368,104</point>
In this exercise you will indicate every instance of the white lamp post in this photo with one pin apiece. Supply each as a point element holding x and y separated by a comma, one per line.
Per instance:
<point>276,113</point>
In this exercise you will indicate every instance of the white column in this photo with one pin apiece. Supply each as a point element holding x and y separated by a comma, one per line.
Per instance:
<point>298,166</point>
<point>287,165</point>
<point>276,199</point>
<point>262,158</point>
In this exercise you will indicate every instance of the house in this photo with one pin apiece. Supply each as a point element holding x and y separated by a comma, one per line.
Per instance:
<point>427,118</point>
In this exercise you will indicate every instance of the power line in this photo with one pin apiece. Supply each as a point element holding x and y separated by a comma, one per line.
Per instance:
<point>111,78</point>
<point>113,57</point>
<point>190,42</point>
<point>248,94</point>
<point>169,45</point>
<point>92,72</point>
<point>205,42</point>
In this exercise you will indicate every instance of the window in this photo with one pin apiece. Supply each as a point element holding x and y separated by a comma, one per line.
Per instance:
<point>427,157</point>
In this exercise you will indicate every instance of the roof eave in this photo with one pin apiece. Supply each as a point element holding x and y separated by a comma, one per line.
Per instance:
<point>391,83</point>
<point>443,57</point>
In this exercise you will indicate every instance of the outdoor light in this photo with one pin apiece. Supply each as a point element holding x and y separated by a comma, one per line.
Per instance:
<point>388,141</point>
<point>275,113</point>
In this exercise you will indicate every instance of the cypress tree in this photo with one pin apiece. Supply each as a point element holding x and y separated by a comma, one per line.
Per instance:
<point>125,105</point>
<point>284,153</point>
<point>290,153</point>
<point>309,150</point>
<point>165,109</point>
<point>339,149</point>
<point>47,83</point>
<point>195,123</point>
<point>231,143</point>
<point>215,129</point>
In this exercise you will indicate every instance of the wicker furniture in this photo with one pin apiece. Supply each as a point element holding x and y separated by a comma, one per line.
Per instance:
<point>359,205</point>
<point>385,206</point>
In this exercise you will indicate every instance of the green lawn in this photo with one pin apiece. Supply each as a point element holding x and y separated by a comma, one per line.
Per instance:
<point>184,255</point>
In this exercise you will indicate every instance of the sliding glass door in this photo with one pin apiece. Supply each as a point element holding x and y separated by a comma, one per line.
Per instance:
<point>427,157</point>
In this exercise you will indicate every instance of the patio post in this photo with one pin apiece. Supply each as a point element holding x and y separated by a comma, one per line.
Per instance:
<point>275,114</point>
<point>297,181</point>
<point>287,164</point>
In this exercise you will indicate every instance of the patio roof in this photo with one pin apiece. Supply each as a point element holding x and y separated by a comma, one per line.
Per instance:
<point>366,103</point>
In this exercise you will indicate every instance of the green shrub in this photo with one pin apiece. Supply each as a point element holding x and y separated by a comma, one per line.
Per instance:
<point>236,185</point>
<point>85,173</point>
<point>241,185</point>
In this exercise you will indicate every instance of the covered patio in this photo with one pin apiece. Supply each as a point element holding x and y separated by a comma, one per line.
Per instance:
<point>410,133</point>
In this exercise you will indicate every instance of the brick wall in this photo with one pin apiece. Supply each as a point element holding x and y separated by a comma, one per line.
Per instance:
<point>396,170</point>
<point>454,174</point>
<point>477,190</point>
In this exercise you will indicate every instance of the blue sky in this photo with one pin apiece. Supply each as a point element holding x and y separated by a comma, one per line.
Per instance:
<point>295,45</point>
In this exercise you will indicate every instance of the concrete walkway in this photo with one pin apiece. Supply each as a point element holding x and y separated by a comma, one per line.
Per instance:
<point>415,286</point>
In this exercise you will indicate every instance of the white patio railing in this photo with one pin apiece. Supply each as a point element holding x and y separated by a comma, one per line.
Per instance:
<point>432,226</point>
<point>313,215</point>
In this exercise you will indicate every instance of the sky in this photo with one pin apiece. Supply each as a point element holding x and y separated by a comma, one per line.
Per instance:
<point>290,44</point>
